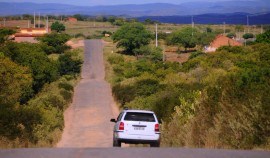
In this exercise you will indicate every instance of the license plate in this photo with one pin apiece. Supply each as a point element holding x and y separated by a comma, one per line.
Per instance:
<point>138,128</point>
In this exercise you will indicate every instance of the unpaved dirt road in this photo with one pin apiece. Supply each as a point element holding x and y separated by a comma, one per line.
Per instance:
<point>87,120</point>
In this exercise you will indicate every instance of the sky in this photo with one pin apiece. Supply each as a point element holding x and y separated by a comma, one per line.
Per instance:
<point>114,2</point>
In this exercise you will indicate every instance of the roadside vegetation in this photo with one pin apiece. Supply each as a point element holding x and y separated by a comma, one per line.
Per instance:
<point>35,89</point>
<point>216,100</point>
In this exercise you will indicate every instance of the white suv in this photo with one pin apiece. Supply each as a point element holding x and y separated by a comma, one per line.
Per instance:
<point>136,127</point>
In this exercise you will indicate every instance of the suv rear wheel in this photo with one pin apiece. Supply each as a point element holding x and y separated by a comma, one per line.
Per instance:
<point>155,144</point>
<point>116,143</point>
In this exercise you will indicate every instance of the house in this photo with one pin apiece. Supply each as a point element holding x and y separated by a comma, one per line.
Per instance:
<point>220,41</point>
<point>29,34</point>
<point>71,19</point>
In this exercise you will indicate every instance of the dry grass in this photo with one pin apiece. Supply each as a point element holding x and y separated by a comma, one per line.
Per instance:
<point>90,27</point>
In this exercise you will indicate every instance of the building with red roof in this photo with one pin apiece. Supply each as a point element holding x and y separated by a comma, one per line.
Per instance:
<point>220,41</point>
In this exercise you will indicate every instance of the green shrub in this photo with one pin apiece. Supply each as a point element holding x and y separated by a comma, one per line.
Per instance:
<point>66,86</point>
<point>69,64</point>
<point>195,54</point>
<point>218,100</point>
<point>67,95</point>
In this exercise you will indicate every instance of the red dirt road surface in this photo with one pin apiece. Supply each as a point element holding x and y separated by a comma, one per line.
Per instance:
<point>87,120</point>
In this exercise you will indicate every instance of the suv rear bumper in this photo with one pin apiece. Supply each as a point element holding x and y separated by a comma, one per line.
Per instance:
<point>138,141</point>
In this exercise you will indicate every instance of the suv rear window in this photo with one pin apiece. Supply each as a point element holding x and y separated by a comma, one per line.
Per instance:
<point>135,116</point>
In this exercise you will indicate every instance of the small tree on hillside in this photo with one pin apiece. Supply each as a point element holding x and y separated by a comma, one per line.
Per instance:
<point>5,33</point>
<point>58,27</point>
<point>54,42</point>
<point>132,36</point>
<point>263,38</point>
<point>248,35</point>
<point>231,35</point>
<point>186,37</point>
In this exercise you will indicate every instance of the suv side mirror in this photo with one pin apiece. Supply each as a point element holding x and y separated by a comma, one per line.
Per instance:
<point>113,120</point>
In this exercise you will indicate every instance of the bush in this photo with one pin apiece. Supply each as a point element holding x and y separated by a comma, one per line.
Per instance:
<point>66,86</point>
<point>79,35</point>
<point>215,100</point>
<point>195,54</point>
<point>231,35</point>
<point>69,63</point>
<point>55,43</point>
<point>32,56</point>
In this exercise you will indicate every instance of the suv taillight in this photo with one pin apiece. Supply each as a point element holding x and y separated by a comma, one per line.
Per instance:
<point>156,127</point>
<point>121,126</point>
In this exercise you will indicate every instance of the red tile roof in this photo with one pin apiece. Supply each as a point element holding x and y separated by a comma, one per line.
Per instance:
<point>224,41</point>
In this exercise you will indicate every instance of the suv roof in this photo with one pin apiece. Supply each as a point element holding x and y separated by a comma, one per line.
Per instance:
<point>142,111</point>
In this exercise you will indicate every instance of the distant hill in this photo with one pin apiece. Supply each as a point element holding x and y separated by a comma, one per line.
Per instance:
<point>232,18</point>
<point>155,9</point>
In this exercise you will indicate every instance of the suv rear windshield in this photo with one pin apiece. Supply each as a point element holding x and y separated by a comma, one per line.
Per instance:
<point>135,116</point>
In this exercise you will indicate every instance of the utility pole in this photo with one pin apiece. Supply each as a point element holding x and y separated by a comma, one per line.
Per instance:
<point>4,22</point>
<point>224,28</point>
<point>34,19</point>
<point>47,25</point>
<point>28,23</point>
<point>39,20</point>
<point>261,29</point>
<point>156,37</point>
<point>192,23</point>
<point>248,23</point>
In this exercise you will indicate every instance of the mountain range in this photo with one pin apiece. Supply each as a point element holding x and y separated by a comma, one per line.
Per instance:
<point>229,18</point>
<point>132,10</point>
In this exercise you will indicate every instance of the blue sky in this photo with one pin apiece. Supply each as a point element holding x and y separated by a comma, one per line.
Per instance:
<point>114,2</point>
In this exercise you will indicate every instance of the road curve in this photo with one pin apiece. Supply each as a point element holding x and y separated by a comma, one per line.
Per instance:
<point>87,119</point>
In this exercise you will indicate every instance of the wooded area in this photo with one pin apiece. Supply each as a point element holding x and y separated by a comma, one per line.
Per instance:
<point>35,89</point>
<point>214,100</point>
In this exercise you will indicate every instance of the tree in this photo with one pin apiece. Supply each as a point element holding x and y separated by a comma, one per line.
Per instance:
<point>263,38</point>
<point>111,19</point>
<point>4,34</point>
<point>58,27</point>
<point>15,82</point>
<point>79,17</point>
<point>186,37</point>
<point>31,55</point>
<point>231,35</point>
<point>69,64</point>
<point>132,36</point>
<point>54,43</point>
<point>248,35</point>
<point>206,38</point>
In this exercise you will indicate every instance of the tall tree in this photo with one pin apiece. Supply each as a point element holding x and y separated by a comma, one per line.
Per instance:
<point>32,56</point>
<point>15,82</point>
<point>263,38</point>
<point>4,34</point>
<point>132,36</point>
<point>54,42</point>
<point>58,27</point>
<point>187,37</point>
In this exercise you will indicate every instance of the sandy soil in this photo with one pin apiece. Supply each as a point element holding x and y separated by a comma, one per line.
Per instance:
<point>75,44</point>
